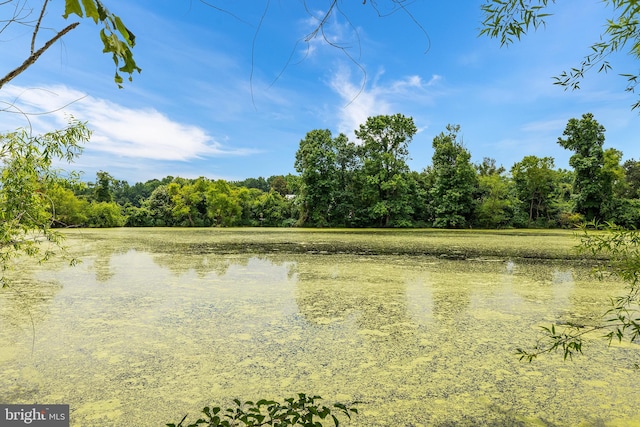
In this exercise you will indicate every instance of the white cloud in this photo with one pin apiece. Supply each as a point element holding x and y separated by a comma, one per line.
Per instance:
<point>362,101</point>
<point>117,130</point>
<point>553,126</point>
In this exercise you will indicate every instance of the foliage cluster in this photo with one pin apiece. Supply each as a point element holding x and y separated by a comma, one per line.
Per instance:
<point>509,20</point>
<point>26,180</point>
<point>303,411</point>
<point>342,183</point>
<point>170,202</point>
<point>117,39</point>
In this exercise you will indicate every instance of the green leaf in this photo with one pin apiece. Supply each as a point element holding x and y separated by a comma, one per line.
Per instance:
<point>91,10</point>
<point>102,12</point>
<point>72,6</point>
<point>123,30</point>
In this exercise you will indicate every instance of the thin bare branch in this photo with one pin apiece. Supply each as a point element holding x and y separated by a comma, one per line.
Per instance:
<point>253,50</point>
<point>18,16</point>
<point>35,55</point>
<point>37,28</point>
<point>222,10</point>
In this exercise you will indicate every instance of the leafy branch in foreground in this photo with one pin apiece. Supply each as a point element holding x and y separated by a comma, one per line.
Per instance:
<point>26,174</point>
<point>301,411</point>
<point>117,39</point>
<point>618,253</point>
<point>509,20</point>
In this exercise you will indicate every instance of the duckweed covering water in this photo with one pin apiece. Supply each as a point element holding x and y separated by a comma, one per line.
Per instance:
<point>158,323</point>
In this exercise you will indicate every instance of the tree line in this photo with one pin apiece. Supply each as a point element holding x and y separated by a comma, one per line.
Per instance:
<point>367,183</point>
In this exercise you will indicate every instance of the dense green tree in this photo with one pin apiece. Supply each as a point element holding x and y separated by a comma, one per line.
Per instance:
<point>160,206</point>
<point>271,210</point>
<point>495,205</point>
<point>203,203</point>
<point>246,198</point>
<point>66,209</point>
<point>619,208</point>
<point>223,206</point>
<point>624,212</point>
<point>534,179</point>
<point>592,186</point>
<point>105,215</point>
<point>279,184</point>
<point>316,163</point>
<point>293,183</point>
<point>418,194</point>
<point>613,173</point>
<point>488,167</point>
<point>454,181</point>
<point>632,179</point>
<point>385,140</point>
<point>138,216</point>
<point>102,191</point>
<point>189,204</point>
<point>561,201</point>
<point>260,183</point>
<point>124,194</point>
<point>347,182</point>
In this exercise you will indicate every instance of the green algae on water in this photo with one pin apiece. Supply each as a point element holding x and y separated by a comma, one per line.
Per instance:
<point>148,329</point>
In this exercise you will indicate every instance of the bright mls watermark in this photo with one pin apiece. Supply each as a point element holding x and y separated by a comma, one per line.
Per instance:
<point>34,415</point>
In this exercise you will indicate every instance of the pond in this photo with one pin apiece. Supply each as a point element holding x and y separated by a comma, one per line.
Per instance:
<point>157,323</point>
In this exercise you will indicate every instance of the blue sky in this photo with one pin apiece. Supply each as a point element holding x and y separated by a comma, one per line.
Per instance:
<point>219,98</point>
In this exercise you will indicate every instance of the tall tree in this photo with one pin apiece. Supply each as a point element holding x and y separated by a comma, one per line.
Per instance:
<point>534,179</point>
<point>322,162</point>
<point>316,163</point>
<point>346,193</point>
<point>385,141</point>
<point>495,203</point>
<point>160,207</point>
<point>632,178</point>
<point>454,181</point>
<point>102,191</point>
<point>614,173</point>
<point>222,205</point>
<point>189,202</point>
<point>592,187</point>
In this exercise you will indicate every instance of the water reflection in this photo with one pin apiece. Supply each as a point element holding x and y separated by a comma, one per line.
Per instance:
<point>24,306</point>
<point>147,323</point>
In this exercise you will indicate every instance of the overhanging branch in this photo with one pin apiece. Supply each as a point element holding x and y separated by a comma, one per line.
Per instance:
<point>35,55</point>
